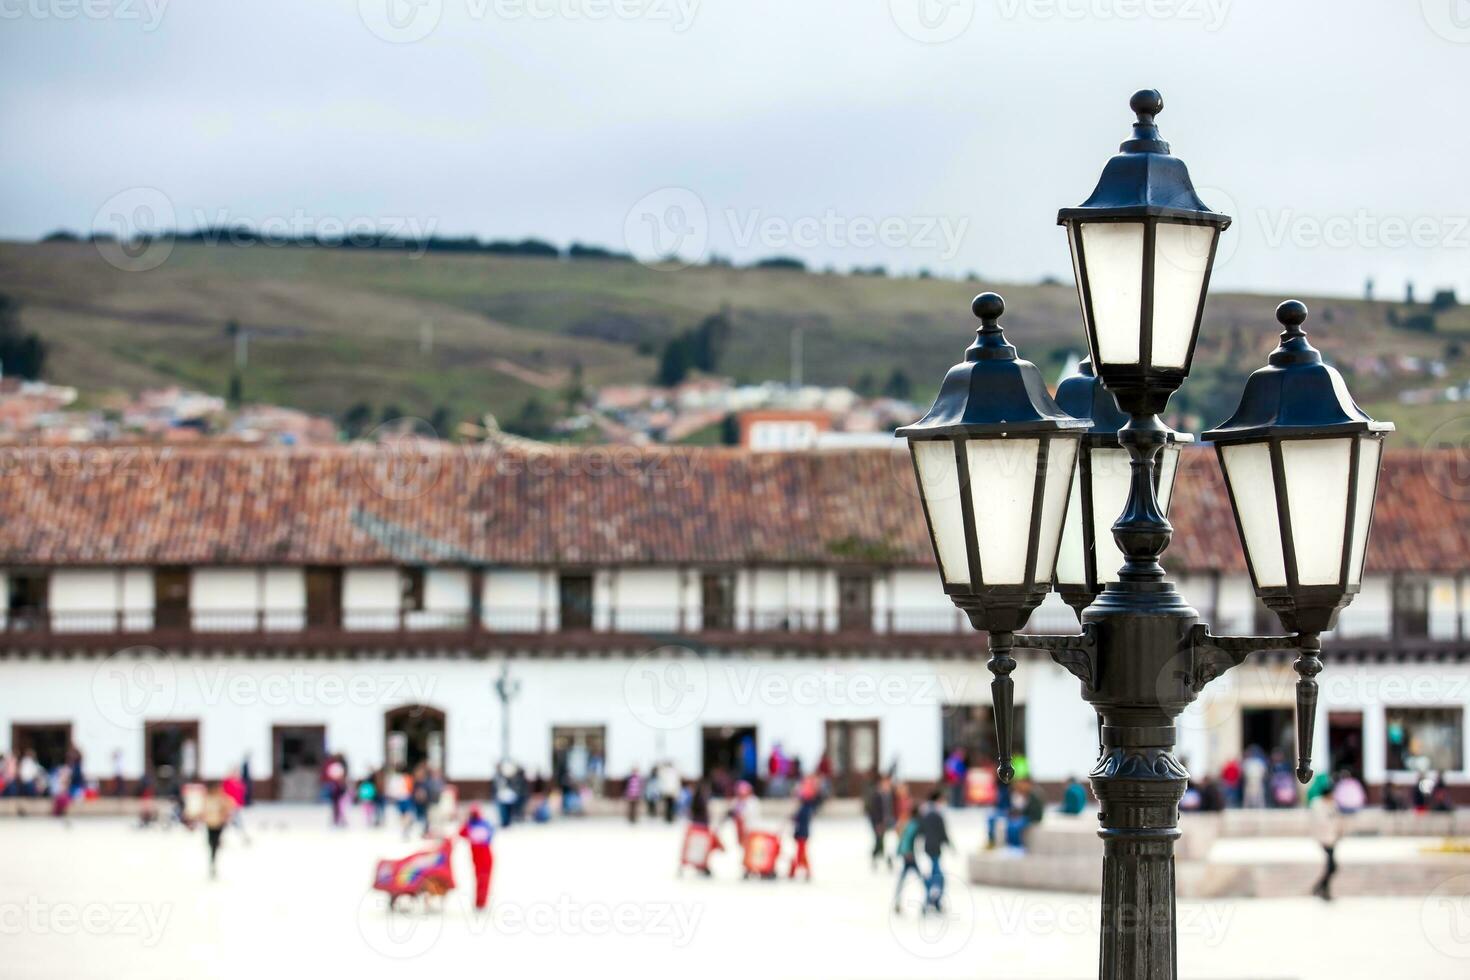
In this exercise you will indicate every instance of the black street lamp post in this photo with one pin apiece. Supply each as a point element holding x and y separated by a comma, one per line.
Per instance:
<point>1005,487</point>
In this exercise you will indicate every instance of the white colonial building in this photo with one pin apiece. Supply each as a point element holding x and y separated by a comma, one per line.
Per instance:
<point>203,606</point>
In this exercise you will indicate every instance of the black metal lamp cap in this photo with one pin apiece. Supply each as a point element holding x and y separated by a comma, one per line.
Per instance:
<point>1295,391</point>
<point>1082,395</point>
<point>1143,179</point>
<point>992,391</point>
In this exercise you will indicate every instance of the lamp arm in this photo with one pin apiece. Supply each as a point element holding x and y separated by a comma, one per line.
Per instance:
<point>1077,652</point>
<point>1214,655</point>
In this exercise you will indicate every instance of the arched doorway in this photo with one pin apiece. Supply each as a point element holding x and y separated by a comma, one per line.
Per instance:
<point>413,734</point>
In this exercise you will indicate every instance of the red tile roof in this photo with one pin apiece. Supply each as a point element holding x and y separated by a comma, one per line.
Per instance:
<point>170,505</point>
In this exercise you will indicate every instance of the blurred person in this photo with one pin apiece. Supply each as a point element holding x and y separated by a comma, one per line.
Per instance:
<point>1211,796</point>
<point>1439,796</point>
<point>936,839</point>
<point>801,829</point>
<point>7,774</point>
<point>1348,794</point>
<point>1230,779</point>
<point>233,786</point>
<point>699,804</point>
<point>28,773</point>
<point>505,793</point>
<point>1074,797</point>
<point>908,838</point>
<point>478,833</point>
<point>955,770</point>
<point>1253,775</point>
<point>399,792</point>
<point>370,799</point>
<point>334,784</point>
<point>118,783</point>
<point>669,785</point>
<point>218,809</point>
<point>744,811</point>
<point>903,804</point>
<point>59,789</point>
<point>633,794</point>
<point>881,816</point>
<point>1327,828</point>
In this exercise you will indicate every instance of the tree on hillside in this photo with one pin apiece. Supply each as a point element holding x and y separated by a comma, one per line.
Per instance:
<point>441,422</point>
<point>21,354</point>
<point>533,421</point>
<point>899,386</point>
<point>673,364</point>
<point>707,341</point>
<point>355,420</point>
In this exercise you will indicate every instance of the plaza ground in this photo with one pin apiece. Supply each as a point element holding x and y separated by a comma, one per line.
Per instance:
<point>598,898</point>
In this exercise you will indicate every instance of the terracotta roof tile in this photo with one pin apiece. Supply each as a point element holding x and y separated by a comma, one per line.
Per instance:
<point>173,505</point>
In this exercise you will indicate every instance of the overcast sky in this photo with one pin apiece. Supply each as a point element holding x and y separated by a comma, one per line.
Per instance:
<point>908,133</point>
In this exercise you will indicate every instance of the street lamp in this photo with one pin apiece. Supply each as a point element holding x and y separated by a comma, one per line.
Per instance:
<point>1089,558</point>
<point>994,459</point>
<point>1301,460</point>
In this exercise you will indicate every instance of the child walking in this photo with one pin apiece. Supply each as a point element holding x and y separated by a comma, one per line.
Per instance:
<point>802,831</point>
<point>478,832</point>
<point>908,839</point>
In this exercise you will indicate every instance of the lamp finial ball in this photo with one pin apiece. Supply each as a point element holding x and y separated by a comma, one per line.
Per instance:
<point>988,306</point>
<point>1292,313</point>
<point>1147,102</point>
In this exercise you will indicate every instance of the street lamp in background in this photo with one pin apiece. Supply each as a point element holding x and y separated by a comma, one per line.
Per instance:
<point>506,689</point>
<point>995,455</point>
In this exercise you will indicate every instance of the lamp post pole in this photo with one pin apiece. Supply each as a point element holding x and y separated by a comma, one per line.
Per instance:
<point>996,454</point>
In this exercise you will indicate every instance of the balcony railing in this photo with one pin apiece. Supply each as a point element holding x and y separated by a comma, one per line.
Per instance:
<point>453,628</point>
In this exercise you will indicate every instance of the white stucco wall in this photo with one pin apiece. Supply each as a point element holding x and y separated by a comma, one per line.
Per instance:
<point>370,598</point>
<point>519,600</point>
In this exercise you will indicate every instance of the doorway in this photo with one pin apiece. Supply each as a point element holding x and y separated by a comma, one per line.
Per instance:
<point>297,755</point>
<point>27,601</point>
<point>414,735</point>
<point>729,753</point>
<point>1345,742</point>
<point>170,754</point>
<point>49,741</point>
<point>852,750</point>
<point>578,754</point>
<point>1267,728</point>
<point>574,594</point>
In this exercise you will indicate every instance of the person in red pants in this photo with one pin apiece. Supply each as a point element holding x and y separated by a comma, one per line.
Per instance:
<point>803,829</point>
<point>478,832</point>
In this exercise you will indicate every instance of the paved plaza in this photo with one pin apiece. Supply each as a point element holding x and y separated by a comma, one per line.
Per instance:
<point>598,898</point>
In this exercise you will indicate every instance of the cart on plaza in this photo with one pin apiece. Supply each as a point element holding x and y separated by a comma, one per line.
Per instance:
<point>761,851</point>
<point>419,875</point>
<point>700,844</point>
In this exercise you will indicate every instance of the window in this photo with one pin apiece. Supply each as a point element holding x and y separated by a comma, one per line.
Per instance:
<point>855,602</point>
<point>575,595</point>
<point>171,598</point>
<point>323,596</point>
<point>1425,738</point>
<point>28,596</point>
<point>411,589</point>
<point>717,600</point>
<point>1410,607</point>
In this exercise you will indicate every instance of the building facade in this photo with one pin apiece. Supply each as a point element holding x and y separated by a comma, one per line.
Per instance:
<point>695,606</point>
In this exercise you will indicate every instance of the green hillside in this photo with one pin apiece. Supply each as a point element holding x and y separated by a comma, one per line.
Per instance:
<point>330,328</point>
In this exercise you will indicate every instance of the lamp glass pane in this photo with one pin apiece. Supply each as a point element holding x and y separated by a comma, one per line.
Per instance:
<point>1072,557</point>
<point>1077,277</point>
<point>1113,251</point>
<point>1168,470</point>
<point>1253,492</point>
<point>1061,458</point>
<point>1181,260</point>
<point>1317,478</point>
<point>1111,475</point>
<point>1367,476</point>
<point>939,484</point>
<point>1003,488</point>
